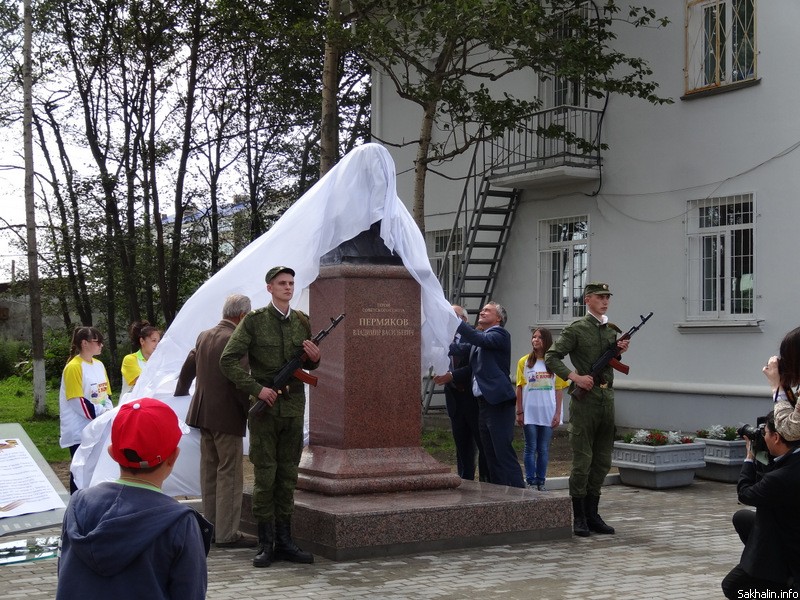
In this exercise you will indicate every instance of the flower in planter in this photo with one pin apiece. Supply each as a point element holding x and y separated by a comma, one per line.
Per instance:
<point>656,437</point>
<point>718,432</point>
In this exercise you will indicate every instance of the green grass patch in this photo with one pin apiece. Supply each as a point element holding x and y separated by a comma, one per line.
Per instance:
<point>16,406</point>
<point>437,439</point>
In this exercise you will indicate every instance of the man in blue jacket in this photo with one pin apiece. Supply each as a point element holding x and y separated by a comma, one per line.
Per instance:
<point>488,373</point>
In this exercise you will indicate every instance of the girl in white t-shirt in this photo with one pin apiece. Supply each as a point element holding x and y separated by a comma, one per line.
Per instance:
<point>539,395</point>
<point>85,393</point>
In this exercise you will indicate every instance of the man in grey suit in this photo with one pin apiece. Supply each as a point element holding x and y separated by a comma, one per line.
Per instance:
<point>220,411</point>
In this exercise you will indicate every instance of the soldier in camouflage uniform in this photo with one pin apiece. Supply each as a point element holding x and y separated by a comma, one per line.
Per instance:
<point>591,420</point>
<point>270,337</point>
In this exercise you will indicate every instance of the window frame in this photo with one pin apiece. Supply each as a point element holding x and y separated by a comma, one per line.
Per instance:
<point>735,37</point>
<point>728,251</point>
<point>573,307</point>
<point>436,243</point>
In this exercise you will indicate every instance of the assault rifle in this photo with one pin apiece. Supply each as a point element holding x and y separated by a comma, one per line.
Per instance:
<point>609,357</point>
<point>293,368</point>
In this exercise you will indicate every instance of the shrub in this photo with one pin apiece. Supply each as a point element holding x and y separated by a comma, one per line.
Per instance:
<point>56,353</point>
<point>11,352</point>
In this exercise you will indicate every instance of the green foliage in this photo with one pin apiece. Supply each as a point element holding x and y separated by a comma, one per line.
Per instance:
<point>11,352</point>
<point>440,53</point>
<point>56,352</point>
<point>449,57</point>
<point>17,407</point>
<point>118,242</point>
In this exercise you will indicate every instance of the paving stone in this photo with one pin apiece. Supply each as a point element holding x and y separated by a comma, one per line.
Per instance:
<point>669,544</point>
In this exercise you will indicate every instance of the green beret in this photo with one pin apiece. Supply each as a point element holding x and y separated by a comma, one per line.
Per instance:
<point>596,288</point>
<point>275,271</point>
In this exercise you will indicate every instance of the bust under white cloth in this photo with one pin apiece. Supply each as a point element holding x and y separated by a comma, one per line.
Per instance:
<point>359,191</point>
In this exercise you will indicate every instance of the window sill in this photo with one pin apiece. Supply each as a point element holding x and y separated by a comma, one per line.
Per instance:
<point>750,326</point>
<point>722,89</point>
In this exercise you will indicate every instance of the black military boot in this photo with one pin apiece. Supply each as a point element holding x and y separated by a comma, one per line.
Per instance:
<point>266,544</point>
<point>593,520</point>
<point>286,549</point>
<point>579,526</point>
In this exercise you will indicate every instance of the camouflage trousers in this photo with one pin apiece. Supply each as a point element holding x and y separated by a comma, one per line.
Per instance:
<point>275,447</point>
<point>591,435</point>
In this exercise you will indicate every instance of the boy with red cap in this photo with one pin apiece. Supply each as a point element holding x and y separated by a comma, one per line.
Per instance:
<point>126,539</point>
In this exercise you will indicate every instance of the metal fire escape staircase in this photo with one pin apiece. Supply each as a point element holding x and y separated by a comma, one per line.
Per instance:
<point>487,238</point>
<point>485,226</point>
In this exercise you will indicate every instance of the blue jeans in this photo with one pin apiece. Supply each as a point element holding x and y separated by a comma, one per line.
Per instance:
<point>537,452</point>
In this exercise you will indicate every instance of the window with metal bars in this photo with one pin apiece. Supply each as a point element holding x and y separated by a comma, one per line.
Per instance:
<point>720,43</point>
<point>563,268</point>
<point>445,261</point>
<point>721,258</point>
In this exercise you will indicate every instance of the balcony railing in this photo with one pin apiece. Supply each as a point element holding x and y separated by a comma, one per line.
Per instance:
<point>528,148</point>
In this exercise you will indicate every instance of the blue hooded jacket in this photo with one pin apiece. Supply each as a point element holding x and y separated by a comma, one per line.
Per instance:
<point>121,541</point>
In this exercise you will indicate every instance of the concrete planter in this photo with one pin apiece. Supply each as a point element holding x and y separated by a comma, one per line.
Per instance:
<point>724,460</point>
<point>658,467</point>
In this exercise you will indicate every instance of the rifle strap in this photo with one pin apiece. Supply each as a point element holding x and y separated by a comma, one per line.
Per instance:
<point>614,327</point>
<point>304,320</point>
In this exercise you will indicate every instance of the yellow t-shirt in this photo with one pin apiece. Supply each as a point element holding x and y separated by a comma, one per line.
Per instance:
<point>132,367</point>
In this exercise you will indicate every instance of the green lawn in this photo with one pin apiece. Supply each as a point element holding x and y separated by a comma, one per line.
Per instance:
<point>16,406</point>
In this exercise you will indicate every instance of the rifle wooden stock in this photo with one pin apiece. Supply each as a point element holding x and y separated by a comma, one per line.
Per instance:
<point>619,366</point>
<point>306,377</point>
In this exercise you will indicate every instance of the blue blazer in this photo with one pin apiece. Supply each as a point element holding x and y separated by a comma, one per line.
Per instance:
<point>489,362</point>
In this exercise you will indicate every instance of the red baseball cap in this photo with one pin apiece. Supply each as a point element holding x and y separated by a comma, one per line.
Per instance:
<point>145,433</point>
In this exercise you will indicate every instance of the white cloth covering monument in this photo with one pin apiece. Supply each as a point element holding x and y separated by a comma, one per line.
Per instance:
<point>359,191</point>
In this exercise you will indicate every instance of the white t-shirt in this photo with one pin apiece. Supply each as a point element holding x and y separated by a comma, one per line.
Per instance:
<point>87,380</point>
<point>538,392</point>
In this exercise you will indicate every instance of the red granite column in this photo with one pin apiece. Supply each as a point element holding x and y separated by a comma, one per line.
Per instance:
<point>365,414</point>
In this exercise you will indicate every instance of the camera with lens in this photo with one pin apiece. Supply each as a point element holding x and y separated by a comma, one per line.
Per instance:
<point>755,433</point>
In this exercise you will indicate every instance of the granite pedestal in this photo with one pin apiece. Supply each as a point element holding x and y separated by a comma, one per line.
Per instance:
<point>390,524</point>
<point>364,415</point>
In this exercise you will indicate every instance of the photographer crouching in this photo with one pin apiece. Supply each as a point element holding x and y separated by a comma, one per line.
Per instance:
<point>771,535</point>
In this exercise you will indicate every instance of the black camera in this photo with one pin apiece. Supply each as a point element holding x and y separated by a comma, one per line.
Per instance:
<point>756,436</point>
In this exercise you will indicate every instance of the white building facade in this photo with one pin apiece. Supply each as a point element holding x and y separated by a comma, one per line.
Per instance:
<point>694,218</point>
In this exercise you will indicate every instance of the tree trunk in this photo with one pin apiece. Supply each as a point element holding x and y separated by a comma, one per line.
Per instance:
<point>71,250</point>
<point>421,164</point>
<point>34,291</point>
<point>170,295</point>
<point>329,127</point>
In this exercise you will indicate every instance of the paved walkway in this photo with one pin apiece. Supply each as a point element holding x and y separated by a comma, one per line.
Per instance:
<point>669,544</point>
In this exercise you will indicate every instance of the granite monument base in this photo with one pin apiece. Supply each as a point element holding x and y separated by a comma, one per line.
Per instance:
<point>388,524</point>
<point>372,470</point>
